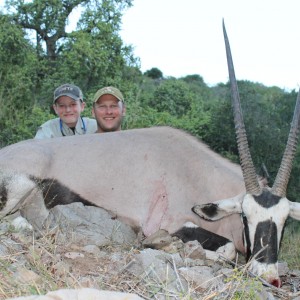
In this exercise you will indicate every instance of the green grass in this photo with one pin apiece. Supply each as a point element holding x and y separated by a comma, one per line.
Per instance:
<point>290,248</point>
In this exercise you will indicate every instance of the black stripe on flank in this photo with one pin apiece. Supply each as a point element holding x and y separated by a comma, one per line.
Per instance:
<point>55,193</point>
<point>266,236</point>
<point>3,195</point>
<point>266,199</point>
<point>207,239</point>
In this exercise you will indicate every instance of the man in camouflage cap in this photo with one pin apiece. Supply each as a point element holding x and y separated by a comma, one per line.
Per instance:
<point>108,109</point>
<point>68,104</point>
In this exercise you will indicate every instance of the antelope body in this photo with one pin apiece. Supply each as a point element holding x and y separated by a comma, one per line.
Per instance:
<point>149,178</point>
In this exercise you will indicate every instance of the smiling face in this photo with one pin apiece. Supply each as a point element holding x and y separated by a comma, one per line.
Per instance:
<point>68,110</point>
<point>108,112</point>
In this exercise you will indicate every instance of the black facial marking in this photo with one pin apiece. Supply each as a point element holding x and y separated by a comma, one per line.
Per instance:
<point>207,239</point>
<point>266,235</point>
<point>209,209</point>
<point>247,238</point>
<point>267,199</point>
<point>55,193</point>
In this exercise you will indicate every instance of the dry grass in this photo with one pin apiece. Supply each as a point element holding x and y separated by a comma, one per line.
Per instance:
<point>41,265</point>
<point>36,266</point>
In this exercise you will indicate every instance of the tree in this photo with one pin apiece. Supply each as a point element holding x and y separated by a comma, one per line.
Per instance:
<point>220,135</point>
<point>48,19</point>
<point>92,55</point>
<point>267,115</point>
<point>154,73</point>
<point>18,77</point>
<point>172,96</point>
<point>18,64</point>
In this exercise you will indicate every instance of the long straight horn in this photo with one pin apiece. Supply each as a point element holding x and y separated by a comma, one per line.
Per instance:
<point>283,175</point>
<point>249,174</point>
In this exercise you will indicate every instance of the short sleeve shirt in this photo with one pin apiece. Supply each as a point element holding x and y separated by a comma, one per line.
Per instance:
<point>56,128</point>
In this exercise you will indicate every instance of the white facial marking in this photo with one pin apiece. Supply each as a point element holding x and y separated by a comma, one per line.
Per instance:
<point>255,214</point>
<point>267,271</point>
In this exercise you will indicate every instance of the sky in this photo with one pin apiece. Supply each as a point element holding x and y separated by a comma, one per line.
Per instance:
<point>185,37</point>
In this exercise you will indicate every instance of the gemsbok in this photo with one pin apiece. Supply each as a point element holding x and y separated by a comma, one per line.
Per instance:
<point>157,178</point>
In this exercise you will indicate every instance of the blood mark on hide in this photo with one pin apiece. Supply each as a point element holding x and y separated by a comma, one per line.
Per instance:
<point>158,207</point>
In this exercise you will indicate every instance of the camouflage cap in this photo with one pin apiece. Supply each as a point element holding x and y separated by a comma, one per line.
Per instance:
<point>69,90</point>
<point>110,90</point>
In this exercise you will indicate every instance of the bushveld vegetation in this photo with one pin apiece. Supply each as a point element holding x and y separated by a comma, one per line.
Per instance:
<point>37,54</point>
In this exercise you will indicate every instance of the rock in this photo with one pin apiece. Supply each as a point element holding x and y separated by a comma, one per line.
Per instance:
<point>88,225</point>
<point>150,262</point>
<point>158,240</point>
<point>194,250</point>
<point>283,268</point>
<point>160,270</point>
<point>82,294</point>
<point>23,275</point>
<point>202,276</point>
<point>92,249</point>
<point>61,268</point>
<point>83,249</point>
<point>21,223</point>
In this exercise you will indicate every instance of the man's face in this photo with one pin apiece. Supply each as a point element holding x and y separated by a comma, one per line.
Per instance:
<point>68,110</point>
<point>108,112</point>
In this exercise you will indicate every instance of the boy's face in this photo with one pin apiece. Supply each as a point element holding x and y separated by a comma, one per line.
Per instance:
<point>68,110</point>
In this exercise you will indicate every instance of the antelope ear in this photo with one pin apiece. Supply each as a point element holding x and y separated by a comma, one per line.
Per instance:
<point>219,209</point>
<point>294,210</point>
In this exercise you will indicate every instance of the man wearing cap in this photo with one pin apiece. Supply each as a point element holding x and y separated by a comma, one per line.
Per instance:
<point>68,105</point>
<point>108,109</point>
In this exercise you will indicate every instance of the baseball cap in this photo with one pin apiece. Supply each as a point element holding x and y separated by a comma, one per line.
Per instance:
<point>110,90</point>
<point>69,90</point>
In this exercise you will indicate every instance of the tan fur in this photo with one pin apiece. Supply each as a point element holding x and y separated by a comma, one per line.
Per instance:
<point>151,178</point>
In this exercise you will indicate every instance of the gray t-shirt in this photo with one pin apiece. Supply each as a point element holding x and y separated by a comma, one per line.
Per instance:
<point>56,128</point>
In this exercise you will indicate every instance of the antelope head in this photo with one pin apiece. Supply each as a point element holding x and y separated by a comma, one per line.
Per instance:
<point>264,210</point>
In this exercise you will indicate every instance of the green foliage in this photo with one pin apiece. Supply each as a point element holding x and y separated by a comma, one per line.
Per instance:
<point>23,124</point>
<point>18,78</point>
<point>154,73</point>
<point>290,245</point>
<point>267,115</point>
<point>17,67</point>
<point>243,287</point>
<point>91,56</point>
<point>172,96</point>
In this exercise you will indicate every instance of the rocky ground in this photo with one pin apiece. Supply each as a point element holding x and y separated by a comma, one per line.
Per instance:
<point>85,247</point>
